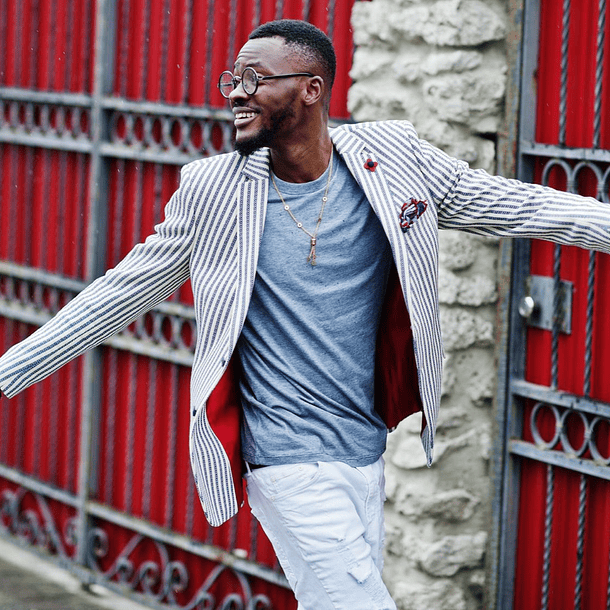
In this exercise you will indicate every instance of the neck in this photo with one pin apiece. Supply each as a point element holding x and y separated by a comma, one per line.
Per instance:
<point>304,161</point>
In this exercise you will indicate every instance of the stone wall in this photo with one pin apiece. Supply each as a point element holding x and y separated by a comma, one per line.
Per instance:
<point>441,65</point>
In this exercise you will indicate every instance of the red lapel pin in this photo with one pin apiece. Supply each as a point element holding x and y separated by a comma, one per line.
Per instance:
<point>370,165</point>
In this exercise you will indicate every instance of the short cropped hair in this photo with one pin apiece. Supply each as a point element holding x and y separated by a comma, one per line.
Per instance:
<point>307,40</point>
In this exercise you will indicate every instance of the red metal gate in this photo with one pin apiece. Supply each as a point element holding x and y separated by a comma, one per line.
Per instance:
<point>100,104</point>
<point>556,480</point>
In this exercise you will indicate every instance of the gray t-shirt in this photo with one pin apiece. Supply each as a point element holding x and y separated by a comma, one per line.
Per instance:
<point>307,348</point>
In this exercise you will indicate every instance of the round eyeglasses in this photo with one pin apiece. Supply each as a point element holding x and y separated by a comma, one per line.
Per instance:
<point>249,80</point>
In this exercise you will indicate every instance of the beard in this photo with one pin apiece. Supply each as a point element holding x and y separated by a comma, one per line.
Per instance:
<point>266,135</point>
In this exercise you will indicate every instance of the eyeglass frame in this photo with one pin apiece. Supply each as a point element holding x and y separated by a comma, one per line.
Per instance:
<point>236,80</point>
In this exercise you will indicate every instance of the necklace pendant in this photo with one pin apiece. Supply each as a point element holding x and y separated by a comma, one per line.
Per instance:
<point>312,253</point>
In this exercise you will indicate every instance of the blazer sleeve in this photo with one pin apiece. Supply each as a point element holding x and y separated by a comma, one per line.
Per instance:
<point>474,201</point>
<point>146,276</point>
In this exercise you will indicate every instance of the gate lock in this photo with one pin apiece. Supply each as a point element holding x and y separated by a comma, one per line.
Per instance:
<point>537,308</point>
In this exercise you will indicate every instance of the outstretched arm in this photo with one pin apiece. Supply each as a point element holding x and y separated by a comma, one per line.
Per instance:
<point>145,277</point>
<point>473,201</point>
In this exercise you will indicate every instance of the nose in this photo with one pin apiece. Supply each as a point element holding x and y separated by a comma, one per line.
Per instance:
<point>238,92</point>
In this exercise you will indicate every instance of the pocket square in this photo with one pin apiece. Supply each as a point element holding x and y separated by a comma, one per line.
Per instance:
<point>410,212</point>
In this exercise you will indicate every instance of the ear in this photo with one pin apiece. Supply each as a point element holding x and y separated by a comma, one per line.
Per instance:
<point>314,90</point>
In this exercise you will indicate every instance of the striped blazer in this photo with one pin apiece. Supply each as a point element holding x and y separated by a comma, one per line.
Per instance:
<point>211,233</point>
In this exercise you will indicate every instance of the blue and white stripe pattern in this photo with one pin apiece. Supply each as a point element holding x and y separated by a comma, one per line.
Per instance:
<point>211,233</point>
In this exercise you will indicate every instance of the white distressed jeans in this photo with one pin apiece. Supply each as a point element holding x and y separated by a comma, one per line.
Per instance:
<point>325,522</point>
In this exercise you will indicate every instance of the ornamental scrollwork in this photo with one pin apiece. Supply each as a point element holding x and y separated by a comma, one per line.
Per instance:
<point>35,524</point>
<point>164,579</point>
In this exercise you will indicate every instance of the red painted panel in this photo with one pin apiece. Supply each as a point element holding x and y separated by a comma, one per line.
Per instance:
<point>40,428</point>
<point>571,348</point>
<point>154,68</point>
<point>46,44</point>
<point>44,194</point>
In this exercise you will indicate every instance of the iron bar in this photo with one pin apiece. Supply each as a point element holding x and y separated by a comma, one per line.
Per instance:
<point>3,50</point>
<point>132,387</point>
<point>68,53</point>
<point>279,9</point>
<point>73,415</point>
<point>124,48</point>
<point>135,154</point>
<point>22,332</point>
<point>589,322</point>
<point>608,587</point>
<point>4,406</point>
<point>61,283</point>
<point>35,14</point>
<point>580,540</point>
<point>84,85</point>
<point>111,409</point>
<point>186,53</point>
<point>535,149</point>
<point>170,460</point>
<point>556,314</point>
<point>330,12</point>
<point>306,10</point>
<point>256,14</point>
<point>186,543</point>
<point>13,194</point>
<point>143,347</point>
<point>47,142</point>
<point>36,486</point>
<point>558,458</point>
<point>144,44</point>
<point>599,72</point>
<point>19,94</point>
<point>189,506</point>
<point>548,533</point>
<point>17,45</point>
<point>540,393</point>
<point>111,102</point>
<point>210,29</point>
<point>81,190</point>
<point>563,84</point>
<point>54,427</point>
<point>104,60</point>
<point>231,51</point>
<point>151,421</point>
<point>163,63</point>
<point>51,50</point>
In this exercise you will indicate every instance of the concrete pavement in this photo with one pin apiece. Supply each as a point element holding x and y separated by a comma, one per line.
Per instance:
<point>29,582</point>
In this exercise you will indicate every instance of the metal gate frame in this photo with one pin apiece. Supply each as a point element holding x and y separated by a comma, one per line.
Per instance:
<point>517,152</point>
<point>22,123</point>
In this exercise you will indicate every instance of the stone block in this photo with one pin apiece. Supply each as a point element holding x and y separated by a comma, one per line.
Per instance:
<point>458,250</point>
<point>463,329</point>
<point>476,584</point>
<point>452,506</point>
<point>433,595</point>
<point>451,554</point>
<point>467,98</point>
<point>463,23</point>
<point>449,378</point>
<point>409,453</point>
<point>472,291</point>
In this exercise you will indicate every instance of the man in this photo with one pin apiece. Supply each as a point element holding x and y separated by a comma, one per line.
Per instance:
<point>300,246</point>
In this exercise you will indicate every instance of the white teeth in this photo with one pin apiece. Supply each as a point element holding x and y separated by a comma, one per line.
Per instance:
<point>244,115</point>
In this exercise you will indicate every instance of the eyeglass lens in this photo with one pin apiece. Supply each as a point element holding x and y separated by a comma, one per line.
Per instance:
<point>228,82</point>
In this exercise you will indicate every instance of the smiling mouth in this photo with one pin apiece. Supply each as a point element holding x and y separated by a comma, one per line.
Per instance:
<point>243,117</point>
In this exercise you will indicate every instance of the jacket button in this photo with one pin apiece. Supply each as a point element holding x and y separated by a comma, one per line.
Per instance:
<point>194,412</point>
<point>223,362</point>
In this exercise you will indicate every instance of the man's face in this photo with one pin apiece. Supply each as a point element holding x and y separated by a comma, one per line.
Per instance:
<point>265,118</point>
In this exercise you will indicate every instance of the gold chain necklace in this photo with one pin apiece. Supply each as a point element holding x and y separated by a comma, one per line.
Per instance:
<point>312,236</point>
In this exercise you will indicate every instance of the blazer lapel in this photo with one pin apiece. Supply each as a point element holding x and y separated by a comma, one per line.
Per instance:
<point>372,179</point>
<point>251,211</point>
